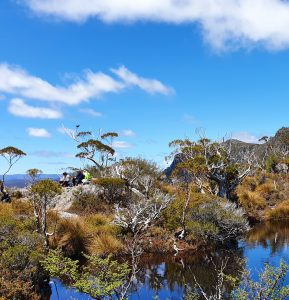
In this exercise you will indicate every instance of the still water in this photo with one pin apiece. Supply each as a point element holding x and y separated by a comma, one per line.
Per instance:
<point>171,277</point>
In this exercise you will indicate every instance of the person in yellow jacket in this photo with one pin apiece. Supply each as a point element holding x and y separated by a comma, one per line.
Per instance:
<point>87,177</point>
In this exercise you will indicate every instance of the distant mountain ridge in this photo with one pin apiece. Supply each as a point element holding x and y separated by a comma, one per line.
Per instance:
<point>21,180</point>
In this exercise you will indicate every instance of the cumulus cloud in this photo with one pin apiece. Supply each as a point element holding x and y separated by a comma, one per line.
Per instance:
<point>128,133</point>
<point>38,132</point>
<point>245,136</point>
<point>91,112</point>
<point>151,86</point>
<point>223,22</point>
<point>19,108</point>
<point>19,83</point>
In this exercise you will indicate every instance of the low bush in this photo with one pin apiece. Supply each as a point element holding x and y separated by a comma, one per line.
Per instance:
<point>218,220</point>
<point>71,237</point>
<point>105,244</point>
<point>281,211</point>
<point>86,201</point>
<point>21,276</point>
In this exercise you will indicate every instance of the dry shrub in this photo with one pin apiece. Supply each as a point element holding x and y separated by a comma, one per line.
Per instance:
<point>251,201</point>
<point>23,208</point>
<point>71,237</point>
<point>97,224</point>
<point>281,211</point>
<point>266,190</point>
<point>105,244</point>
<point>250,183</point>
<point>88,202</point>
<point>6,210</point>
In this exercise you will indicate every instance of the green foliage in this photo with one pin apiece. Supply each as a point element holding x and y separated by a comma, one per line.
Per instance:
<point>211,165</point>
<point>34,174</point>
<point>12,152</point>
<point>270,285</point>
<point>98,151</point>
<point>46,188</point>
<point>100,277</point>
<point>218,220</point>
<point>11,155</point>
<point>21,276</point>
<point>173,214</point>
<point>271,163</point>
<point>113,188</point>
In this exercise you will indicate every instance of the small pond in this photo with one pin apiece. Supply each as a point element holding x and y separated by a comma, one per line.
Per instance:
<point>170,277</point>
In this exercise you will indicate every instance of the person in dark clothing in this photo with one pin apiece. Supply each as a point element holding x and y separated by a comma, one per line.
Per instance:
<point>5,197</point>
<point>79,177</point>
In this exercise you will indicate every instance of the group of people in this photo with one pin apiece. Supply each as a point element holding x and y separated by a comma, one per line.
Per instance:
<point>81,177</point>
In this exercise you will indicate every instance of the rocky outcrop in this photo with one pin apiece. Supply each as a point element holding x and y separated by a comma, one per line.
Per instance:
<point>63,202</point>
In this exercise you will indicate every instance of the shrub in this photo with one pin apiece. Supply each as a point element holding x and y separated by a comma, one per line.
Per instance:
<point>281,211</point>
<point>270,285</point>
<point>23,208</point>
<point>101,277</point>
<point>218,220</point>
<point>105,244</point>
<point>97,224</point>
<point>88,201</point>
<point>113,189</point>
<point>21,276</point>
<point>251,202</point>
<point>71,237</point>
<point>173,214</point>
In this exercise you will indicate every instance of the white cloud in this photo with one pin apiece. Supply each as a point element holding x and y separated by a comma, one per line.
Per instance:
<point>91,112</point>
<point>121,145</point>
<point>223,22</point>
<point>19,108</point>
<point>151,86</point>
<point>19,83</point>
<point>128,133</point>
<point>38,132</point>
<point>245,136</point>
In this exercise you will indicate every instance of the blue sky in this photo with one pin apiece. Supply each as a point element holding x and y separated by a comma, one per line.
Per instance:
<point>150,72</point>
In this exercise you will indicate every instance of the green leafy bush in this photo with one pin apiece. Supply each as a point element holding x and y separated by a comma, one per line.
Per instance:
<point>100,277</point>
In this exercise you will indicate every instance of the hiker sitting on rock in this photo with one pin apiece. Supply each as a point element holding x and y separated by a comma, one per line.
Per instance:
<point>87,177</point>
<point>78,178</point>
<point>65,179</point>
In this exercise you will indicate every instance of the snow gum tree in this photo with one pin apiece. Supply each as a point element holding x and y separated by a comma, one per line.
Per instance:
<point>212,166</point>
<point>42,193</point>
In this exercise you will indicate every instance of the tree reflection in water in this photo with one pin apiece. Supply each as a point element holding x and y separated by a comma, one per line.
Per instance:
<point>273,235</point>
<point>179,272</point>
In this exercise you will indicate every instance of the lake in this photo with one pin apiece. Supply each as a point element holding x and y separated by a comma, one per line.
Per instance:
<point>172,277</point>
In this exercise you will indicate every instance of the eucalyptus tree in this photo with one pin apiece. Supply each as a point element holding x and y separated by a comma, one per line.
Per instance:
<point>42,194</point>
<point>12,155</point>
<point>34,175</point>
<point>96,149</point>
<point>213,166</point>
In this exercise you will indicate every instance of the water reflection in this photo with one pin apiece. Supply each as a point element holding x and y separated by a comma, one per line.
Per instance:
<point>163,273</point>
<point>273,235</point>
<point>172,277</point>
